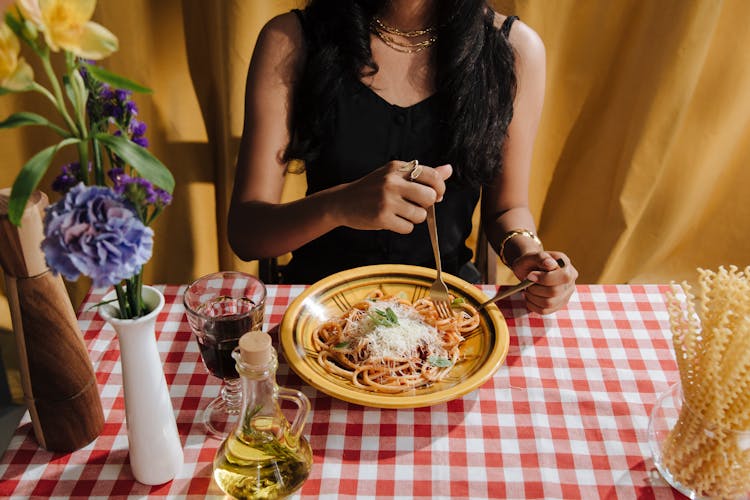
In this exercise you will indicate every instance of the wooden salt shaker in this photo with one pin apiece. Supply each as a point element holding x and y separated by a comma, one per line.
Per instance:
<point>58,380</point>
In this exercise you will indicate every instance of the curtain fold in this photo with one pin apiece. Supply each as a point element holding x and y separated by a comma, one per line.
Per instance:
<point>640,169</point>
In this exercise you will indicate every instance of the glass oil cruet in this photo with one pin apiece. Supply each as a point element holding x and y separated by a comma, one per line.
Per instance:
<point>265,456</point>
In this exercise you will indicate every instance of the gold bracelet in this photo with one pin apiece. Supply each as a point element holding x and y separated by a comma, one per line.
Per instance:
<point>511,234</point>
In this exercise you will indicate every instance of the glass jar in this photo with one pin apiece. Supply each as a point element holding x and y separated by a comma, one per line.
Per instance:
<point>697,457</point>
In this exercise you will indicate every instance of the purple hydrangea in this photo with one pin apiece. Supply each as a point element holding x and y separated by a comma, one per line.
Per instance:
<point>95,232</point>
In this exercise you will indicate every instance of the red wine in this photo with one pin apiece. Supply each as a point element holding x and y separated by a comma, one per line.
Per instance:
<point>227,320</point>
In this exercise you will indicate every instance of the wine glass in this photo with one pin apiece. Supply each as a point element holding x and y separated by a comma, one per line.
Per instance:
<point>220,308</point>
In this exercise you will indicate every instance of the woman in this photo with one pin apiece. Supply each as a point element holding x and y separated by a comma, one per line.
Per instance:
<point>369,93</point>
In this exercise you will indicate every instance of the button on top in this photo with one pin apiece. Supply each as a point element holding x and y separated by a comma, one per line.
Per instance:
<point>400,118</point>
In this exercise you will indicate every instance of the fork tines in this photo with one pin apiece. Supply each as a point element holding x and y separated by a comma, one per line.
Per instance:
<point>443,309</point>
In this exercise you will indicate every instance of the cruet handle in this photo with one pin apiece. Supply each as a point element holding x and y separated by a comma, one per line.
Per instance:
<point>303,408</point>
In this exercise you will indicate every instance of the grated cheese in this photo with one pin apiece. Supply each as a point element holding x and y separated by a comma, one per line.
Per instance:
<point>399,341</point>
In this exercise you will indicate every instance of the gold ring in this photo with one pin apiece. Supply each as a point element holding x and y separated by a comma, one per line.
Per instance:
<point>416,171</point>
<point>409,166</point>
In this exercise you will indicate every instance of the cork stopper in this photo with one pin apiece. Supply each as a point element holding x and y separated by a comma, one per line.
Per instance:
<point>256,348</point>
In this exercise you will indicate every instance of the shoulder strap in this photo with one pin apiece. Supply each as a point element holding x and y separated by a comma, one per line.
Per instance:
<point>505,28</point>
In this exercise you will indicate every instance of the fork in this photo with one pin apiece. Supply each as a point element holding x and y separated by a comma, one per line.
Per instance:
<point>501,294</point>
<point>438,290</point>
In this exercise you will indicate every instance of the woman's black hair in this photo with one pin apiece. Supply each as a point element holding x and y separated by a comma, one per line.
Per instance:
<point>475,80</point>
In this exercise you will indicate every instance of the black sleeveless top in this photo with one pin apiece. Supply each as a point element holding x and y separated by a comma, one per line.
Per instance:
<point>369,132</point>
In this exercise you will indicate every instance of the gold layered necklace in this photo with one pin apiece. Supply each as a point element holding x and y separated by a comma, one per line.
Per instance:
<point>388,34</point>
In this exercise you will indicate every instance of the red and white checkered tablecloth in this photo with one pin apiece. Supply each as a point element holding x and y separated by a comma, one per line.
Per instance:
<point>565,416</point>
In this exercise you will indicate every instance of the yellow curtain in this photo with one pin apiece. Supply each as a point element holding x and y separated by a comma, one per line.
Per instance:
<point>640,168</point>
<point>640,171</point>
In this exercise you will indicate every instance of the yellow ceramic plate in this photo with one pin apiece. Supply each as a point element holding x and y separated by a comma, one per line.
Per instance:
<point>483,351</point>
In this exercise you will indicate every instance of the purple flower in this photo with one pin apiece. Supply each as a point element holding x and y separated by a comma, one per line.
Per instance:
<point>116,175</point>
<point>164,198</point>
<point>138,190</point>
<point>69,177</point>
<point>122,95</point>
<point>144,188</point>
<point>106,93</point>
<point>137,128</point>
<point>137,131</point>
<point>131,108</point>
<point>95,232</point>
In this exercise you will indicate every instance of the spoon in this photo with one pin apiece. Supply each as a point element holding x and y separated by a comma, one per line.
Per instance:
<point>516,288</point>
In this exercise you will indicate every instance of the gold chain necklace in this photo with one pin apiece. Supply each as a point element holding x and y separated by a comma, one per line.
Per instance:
<point>386,34</point>
<point>395,31</point>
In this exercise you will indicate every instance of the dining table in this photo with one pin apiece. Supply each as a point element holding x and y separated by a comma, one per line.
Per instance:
<point>566,415</point>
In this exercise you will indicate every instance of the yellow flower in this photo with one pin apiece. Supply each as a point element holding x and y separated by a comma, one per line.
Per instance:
<point>30,11</point>
<point>15,73</point>
<point>66,25</point>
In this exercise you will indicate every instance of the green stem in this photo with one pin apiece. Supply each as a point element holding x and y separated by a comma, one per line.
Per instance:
<point>139,282</point>
<point>58,100</point>
<point>80,107</point>
<point>46,93</point>
<point>83,154</point>
<point>43,90</point>
<point>134,296</point>
<point>112,162</point>
<point>123,302</point>
<point>98,170</point>
<point>154,214</point>
<point>69,61</point>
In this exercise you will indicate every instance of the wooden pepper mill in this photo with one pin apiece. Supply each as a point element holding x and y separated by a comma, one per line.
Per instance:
<point>58,379</point>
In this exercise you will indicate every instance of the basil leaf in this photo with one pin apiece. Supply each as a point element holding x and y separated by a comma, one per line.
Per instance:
<point>341,345</point>
<point>375,318</point>
<point>457,301</point>
<point>385,318</point>
<point>391,315</point>
<point>439,361</point>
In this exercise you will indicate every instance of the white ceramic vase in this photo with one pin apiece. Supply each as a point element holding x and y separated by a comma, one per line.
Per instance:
<point>155,449</point>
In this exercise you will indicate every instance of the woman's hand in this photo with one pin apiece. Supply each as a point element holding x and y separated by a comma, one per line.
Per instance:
<point>391,197</point>
<point>553,284</point>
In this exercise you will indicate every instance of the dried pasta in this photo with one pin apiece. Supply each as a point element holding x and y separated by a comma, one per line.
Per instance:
<point>708,450</point>
<point>390,345</point>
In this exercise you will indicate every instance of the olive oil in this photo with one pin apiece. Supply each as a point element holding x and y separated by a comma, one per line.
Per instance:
<point>265,457</point>
<point>256,467</point>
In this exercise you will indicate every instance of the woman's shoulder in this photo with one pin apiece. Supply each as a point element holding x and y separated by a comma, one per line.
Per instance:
<point>525,41</point>
<point>281,41</point>
<point>285,28</point>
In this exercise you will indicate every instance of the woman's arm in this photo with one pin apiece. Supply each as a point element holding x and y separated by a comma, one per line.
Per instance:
<point>255,210</point>
<point>505,205</point>
<point>259,224</point>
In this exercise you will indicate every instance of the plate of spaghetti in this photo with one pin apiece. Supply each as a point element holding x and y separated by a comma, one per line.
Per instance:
<point>372,336</point>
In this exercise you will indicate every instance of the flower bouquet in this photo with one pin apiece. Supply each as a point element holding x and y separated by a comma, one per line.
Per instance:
<point>100,226</point>
<point>110,196</point>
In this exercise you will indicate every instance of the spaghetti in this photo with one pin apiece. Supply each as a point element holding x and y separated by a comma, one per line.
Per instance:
<point>388,344</point>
